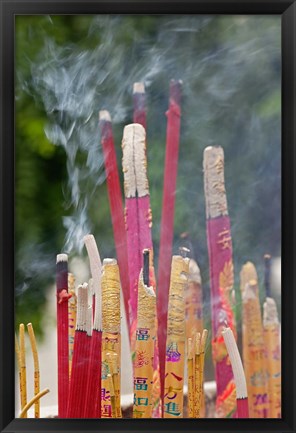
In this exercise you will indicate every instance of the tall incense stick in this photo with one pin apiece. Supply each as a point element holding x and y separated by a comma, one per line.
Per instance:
<point>62,333</point>
<point>175,346</point>
<point>221,274</point>
<point>36,367</point>
<point>139,100</point>
<point>238,372</point>
<point>167,218</point>
<point>23,369</point>
<point>116,205</point>
<point>111,331</point>
<point>93,390</point>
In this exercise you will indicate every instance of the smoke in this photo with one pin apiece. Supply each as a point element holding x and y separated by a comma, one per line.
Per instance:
<point>228,66</point>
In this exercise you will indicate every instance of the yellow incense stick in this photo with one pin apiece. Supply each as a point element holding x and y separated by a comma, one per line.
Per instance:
<point>202,365</point>
<point>37,397</point>
<point>197,377</point>
<point>18,358</point>
<point>144,351</point>
<point>190,375</point>
<point>112,395</point>
<point>112,359</point>
<point>36,367</point>
<point>175,344</point>
<point>193,297</point>
<point>72,312</point>
<point>272,343</point>
<point>255,355</point>
<point>23,375</point>
<point>111,330</point>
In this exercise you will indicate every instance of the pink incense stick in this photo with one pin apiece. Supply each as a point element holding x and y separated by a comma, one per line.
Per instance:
<point>238,372</point>
<point>139,100</point>
<point>92,407</point>
<point>116,204</point>
<point>221,274</point>
<point>82,339</point>
<point>167,218</point>
<point>62,333</point>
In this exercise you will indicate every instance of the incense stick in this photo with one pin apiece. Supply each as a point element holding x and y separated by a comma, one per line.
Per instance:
<point>190,375</point>
<point>273,354</point>
<point>111,341</point>
<point>255,356</point>
<point>139,100</point>
<point>62,333</point>
<point>175,346</point>
<point>93,390</point>
<point>221,275</point>
<point>197,376</point>
<point>238,373</point>
<point>18,358</point>
<point>194,302</point>
<point>23,375</point>
<point>114,367</point>
<point>116,205</point>
<point>167,218</point>
<point>143,366</point>
<point>72,311</point>
<point>34,400</point>
<point>78,383</point>
<point>36,367</point>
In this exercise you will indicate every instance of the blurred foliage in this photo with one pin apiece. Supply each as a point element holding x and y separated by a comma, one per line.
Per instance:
<point>232,103</point>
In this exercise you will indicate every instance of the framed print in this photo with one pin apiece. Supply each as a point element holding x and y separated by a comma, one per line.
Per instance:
<point>147,216</point>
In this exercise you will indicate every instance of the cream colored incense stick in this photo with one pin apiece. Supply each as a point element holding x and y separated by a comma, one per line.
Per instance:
<point>175,343</point>
<point>190,375</point>
<point>36,398</point>
<point>193,295</point>
<point>72,311</point>
<point>36,367</point>
<point>197,376</point>
<point>272,343</point>
<point>23,375</point>
<point>111,331</point>
<point>255,356</point>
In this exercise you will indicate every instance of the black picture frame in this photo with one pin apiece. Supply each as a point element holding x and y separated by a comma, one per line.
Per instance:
<point>10,8</point>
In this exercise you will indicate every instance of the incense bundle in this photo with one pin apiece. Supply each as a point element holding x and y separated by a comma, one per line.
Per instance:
<point>139,100</point>
<point>111,332</point>
<point>200,345</point>
<point>72,311</point>
<point>114,367</point>
<point>255,356</point>
<point>23,369</point>
<point>78,382</point>
<point>137,209</point>
<point>238,373</point>
<point>62,333</point>
<point>167,218</point>
<point>116,205</point>
<point>93,389</point>
<point>36,367</point>
<point>221,275</point>
<point>271,332</point>
<point>175,346</point>
<point>143,366</point>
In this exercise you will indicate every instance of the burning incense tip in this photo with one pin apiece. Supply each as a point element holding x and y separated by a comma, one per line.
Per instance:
<point>104,115</point>
<point>139,88</point>
<point>109,262</point>
<point>62,258</point>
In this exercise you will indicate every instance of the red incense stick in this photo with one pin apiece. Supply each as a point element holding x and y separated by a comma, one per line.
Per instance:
<point>139,100</point>
<point>92,408</point>
<point>62,333</point>
<point>78,382</point>
<point>167,218</point>
<point>116,204</point>
<point>221,274</point>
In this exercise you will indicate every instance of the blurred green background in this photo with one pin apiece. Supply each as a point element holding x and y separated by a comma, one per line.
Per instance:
<point>70,67</point>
